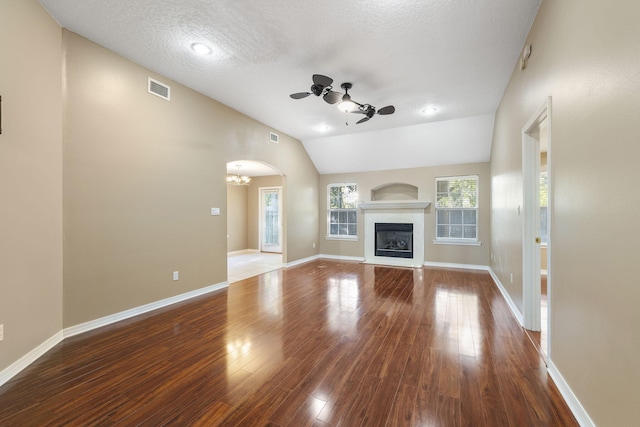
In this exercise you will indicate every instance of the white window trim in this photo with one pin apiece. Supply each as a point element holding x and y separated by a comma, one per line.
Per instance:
<point>329,210</point>
<point>460,241</point>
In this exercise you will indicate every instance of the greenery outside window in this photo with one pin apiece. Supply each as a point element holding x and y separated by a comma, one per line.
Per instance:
<point>342,214</point>
<point>457,209</point>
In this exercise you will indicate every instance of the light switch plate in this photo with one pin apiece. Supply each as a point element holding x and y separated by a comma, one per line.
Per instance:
<point>215,211</point>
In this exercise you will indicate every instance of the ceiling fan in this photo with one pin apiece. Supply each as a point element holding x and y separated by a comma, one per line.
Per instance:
<point>321,86</point>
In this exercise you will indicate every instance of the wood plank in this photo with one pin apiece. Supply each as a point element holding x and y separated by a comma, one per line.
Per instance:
<point>326,343</point>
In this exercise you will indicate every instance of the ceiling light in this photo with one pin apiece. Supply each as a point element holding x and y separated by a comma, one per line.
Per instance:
<point>347,105</point>
<point>201,49</point>
<point>429,110</point>
<point>237,179</point>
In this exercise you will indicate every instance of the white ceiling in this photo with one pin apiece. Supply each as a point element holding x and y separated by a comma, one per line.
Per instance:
<point>454,55</point>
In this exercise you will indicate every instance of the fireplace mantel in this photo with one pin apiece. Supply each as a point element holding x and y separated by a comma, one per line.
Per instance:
<point>394,212</point>
<point>394,204</point>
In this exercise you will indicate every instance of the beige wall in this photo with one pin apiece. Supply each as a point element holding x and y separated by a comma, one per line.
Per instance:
<point>30,178</point>
<point>424,179</point>
<point>585,55</point>
<point>141,175</point>
<point>236,217</point>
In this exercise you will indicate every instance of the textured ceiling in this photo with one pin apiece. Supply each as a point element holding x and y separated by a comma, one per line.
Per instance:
<point>455,55</point>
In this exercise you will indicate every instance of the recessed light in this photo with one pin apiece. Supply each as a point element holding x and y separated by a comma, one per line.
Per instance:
<point>323,128</point>
<point>201,48</point>
<point>429,110</point>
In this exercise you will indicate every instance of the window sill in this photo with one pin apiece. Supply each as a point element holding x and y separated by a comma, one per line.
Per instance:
<point>457,242</point>
<point>348,238</point>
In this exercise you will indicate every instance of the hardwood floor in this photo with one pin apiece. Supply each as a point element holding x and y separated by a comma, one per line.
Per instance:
<point>327,343</point>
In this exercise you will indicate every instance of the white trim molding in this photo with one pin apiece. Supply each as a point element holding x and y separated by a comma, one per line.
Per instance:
<point>29,358</point>
<point>510,302</point>
<point>343,258</point>
<point>16,367</point>
<point>574,404</point>
<point>459,242</point>
<point>454,265</point>
<point>301,261</point>
<point>116,317</point>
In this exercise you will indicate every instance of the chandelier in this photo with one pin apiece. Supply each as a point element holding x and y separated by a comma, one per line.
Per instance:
<point>237,179</point>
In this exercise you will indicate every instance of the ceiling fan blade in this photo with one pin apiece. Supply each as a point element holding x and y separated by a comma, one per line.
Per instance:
<point>389,109</point>
<point>300,95</point>
<point>332,97</point>
<point>321,80</point>
<point>362,120</point>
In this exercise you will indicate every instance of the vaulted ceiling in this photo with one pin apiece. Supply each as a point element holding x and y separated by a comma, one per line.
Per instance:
<point>443,65</point>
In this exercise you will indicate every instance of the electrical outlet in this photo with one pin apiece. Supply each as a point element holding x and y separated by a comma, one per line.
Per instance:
<point>176,275</point>
<point>313,245</point>
<point>511,278</point>
<point>1,332</point>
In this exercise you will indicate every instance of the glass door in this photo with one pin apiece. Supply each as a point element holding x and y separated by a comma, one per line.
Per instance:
<point>271,219</point>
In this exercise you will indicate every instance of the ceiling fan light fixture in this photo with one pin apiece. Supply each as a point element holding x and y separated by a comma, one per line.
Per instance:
<point>347,105</point>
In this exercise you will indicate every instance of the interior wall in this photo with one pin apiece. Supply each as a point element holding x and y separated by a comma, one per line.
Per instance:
<point>584,54</point>
<point>141,175</point>
<point>425,180</point>
<point>30,178</point>
<point>237,217</point>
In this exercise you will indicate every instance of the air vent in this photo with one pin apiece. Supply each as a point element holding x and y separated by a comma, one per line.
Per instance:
<point>159,89</point>
<point>273,137</point>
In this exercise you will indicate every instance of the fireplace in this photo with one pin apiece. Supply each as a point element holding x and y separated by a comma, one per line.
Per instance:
<point>403,244</point>
<point>394,240</point>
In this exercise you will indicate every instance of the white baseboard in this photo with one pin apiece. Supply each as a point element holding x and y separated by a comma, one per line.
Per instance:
<point>26,360</point>
<point>454,265</point>
<point>29,358</point>
<point>343,258</point>
<point>572,401</point>
<point>243,251</point>
<point>301,261</point>
<point>512,305</point>
<point>112,318</point>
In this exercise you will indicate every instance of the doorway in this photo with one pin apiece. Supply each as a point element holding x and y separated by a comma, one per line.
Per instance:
<point>246,256</point>
<point>271,219</point>
<point>536,250</point>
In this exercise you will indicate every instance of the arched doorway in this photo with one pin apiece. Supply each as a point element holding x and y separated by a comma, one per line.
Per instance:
<point>255,213</point>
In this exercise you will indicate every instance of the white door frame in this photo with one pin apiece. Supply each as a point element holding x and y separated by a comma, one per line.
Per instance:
<point>261,246</point>
<point>531,222</point>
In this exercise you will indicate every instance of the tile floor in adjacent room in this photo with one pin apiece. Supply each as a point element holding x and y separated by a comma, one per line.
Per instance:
<point>244,264</point>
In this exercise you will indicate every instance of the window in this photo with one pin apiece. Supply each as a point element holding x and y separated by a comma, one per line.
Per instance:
<point>457,209</point>
<point>544,202</point>
<point>342,215</point>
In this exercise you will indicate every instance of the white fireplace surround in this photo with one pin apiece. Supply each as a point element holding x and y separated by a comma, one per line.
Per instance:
<point>395,212</point>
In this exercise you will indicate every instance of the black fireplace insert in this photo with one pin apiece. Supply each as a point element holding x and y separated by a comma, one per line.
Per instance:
<point>394,240</point>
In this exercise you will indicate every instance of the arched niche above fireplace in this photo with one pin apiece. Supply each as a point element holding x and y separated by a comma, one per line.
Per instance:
<point>394,191</point>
